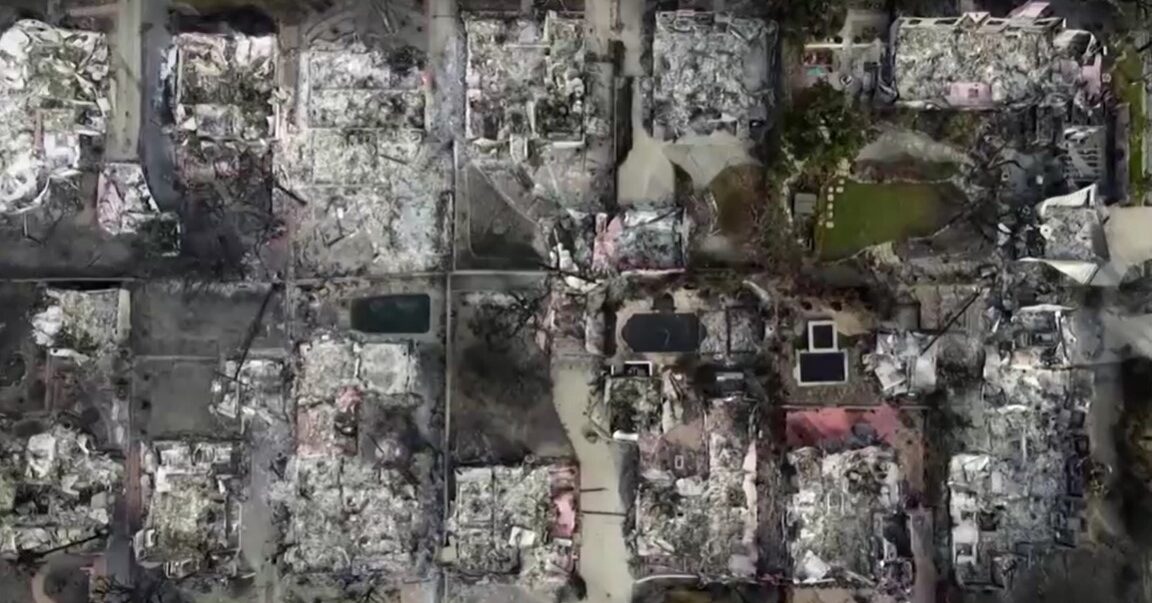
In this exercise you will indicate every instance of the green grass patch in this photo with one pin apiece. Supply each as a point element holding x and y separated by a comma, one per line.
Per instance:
<point>866,214</point>
<point>1128,84</point>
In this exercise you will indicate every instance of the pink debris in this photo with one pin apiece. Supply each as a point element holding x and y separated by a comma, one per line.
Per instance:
<point>565,486</point>
<point>604,247</point>
<point>830,426</point>
<point>565,524</point>
<point>348,400</point>
<point>970,94</point>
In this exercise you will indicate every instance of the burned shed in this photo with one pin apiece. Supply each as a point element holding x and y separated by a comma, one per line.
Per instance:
<point>711,72</point>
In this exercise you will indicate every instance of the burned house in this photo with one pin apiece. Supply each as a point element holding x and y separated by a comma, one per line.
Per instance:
<point>514,526</point>
<point>539,147</point>
<point>525,83</point>
<point>696,498</point>
<point>1089,242</point>
<point>979,62</point>
<point>56,489</point>
<point>53,106</point>
<point>1017,490</point>
<point>357,468</point>
<point>219,91</point>
<point>366,187</point>
<point>641,241</point>
<point>845,518</point>
<point>193,507</point>
<point>711,72</point>
<point>976,61</point>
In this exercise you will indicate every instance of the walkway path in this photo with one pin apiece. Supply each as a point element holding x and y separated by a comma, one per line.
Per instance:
<point>603,554</point>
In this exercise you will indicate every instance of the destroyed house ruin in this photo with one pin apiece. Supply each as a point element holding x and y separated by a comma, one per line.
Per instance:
<point>56,489</point>
<point>1018,490</point>
<point>350,475</point>
<point>1089,242</point>
<point>978,62</point>
<point>711,72</point>
<point>525,82</point>
<point>842,514</point>
<point>367,190</point>
<point>193,517</point>
<point>53,108</point>
<point>515,525</point>
<point>696,496</point>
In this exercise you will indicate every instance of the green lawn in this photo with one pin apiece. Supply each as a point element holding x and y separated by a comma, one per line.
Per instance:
<point>867,214</point>
<point>1128,84</point>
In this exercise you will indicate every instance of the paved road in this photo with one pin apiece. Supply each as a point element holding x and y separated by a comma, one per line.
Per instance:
<point>124,123</point>
<point>603,553</point>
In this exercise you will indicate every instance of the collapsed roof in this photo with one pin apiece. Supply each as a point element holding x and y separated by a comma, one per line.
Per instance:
<point>81,322</point>
<point>976,61</point>
<point>712,72</point>
<point>525,80</point>
<point>222,85</point>
<point>53,103</point>
<point>55,489</point>
<point>641,239</point>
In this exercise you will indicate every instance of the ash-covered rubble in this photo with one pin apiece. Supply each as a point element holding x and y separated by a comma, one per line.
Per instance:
<point>125,205</point>
<point>1017,490</point>
<point>905,363</point>
<point>367,185</point>
<point>978,62</point>
<point>79,336</point>
<point>192,494</point>
<point>81,323</point>
<point>358,468</point>
<point>1089,242</point>
<point>251,393</point>
<point>56,489</point>
<point>53,106</point>
<point>515,525</point>
<point>711,72</point>
<point>846,518</point>
<point>536,120</point>
<point>641,240</point>
<point>696,501</point>
<point>219,88</point>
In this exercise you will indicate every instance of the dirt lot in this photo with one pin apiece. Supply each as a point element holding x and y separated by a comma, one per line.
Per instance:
<point>502,396</point>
